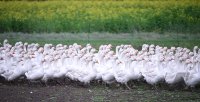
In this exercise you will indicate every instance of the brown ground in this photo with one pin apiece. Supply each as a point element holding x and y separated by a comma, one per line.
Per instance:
<point>71,91</point>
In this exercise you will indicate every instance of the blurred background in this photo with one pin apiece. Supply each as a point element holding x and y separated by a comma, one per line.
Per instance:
<point>163,22</point>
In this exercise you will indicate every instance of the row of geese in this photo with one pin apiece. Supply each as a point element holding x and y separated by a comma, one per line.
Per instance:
<point>152,63</point>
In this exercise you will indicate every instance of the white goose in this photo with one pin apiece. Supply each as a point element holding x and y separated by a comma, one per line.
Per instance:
<point>107,72</point>
<point>154,72</point>
<point>172,74</point>
<point>36,70</point>
<point>193,68</point>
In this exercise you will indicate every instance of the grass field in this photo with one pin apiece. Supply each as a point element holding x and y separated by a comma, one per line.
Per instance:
<point>97,39</point>
<point>123,16</point>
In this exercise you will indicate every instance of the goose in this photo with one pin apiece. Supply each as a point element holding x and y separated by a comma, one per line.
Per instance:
<point>36,70</point>
<point>117,50</point>
<point>173,75</point>
<point>81,67</point>
<point>136,73</point>
<point>49,69</point>
<point>2,67</point>
<point>61,69</point>
<point>6,43</point>
<point>74,66</point>
<point>99,66</point>
<point>139,64</point>
<point>88,73</point>
<point>193,76</point>
<point>12,69</point>
<point>7,67</point>
<point>154,63</point>
<point>123,72</point>
<point>107,73</point>
<point>19,69</point>
<point>154,72</point>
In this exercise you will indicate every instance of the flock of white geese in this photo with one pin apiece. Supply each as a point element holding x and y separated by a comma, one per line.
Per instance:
<point>152,63</point>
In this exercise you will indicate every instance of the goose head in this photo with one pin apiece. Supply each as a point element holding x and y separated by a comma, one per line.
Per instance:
<point>111,53</point>
<point>151,47</point>
<point>117,48</point>
<point>173,48</point>
<point>145,47</point>
<point>5,42</point>
<point>191,54</point>
<point>109,46</point>
<point>195,47</point>
<point>187,61</point>
<point>151,52</point>
<point>41,50</point>
<point>93,50</point>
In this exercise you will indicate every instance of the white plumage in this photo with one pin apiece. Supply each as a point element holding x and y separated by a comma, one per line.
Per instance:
<point>84,64</point>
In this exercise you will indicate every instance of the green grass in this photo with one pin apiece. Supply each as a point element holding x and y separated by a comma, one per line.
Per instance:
<point>97,39</point>
<point>101,16</point>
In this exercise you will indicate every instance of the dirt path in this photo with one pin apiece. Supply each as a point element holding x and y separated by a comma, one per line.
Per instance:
<point>98,92</point>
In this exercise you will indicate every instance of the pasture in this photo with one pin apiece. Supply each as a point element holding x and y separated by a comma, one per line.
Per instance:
<point>167,23</point>
<point>96,39</point>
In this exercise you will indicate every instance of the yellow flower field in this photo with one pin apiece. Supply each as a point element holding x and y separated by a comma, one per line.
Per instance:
<point>100,16</point>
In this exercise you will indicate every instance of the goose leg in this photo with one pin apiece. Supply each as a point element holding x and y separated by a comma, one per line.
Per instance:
<point>98,81</point>
<point>46,83</point>
<point>127,86</point>
<point>41,83</point>
<point>186,87</point>
<point>192,89</point>
<point>155,86</point>
<point>118,85</point>
<point>86,85</point>
<point>58,82</point>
